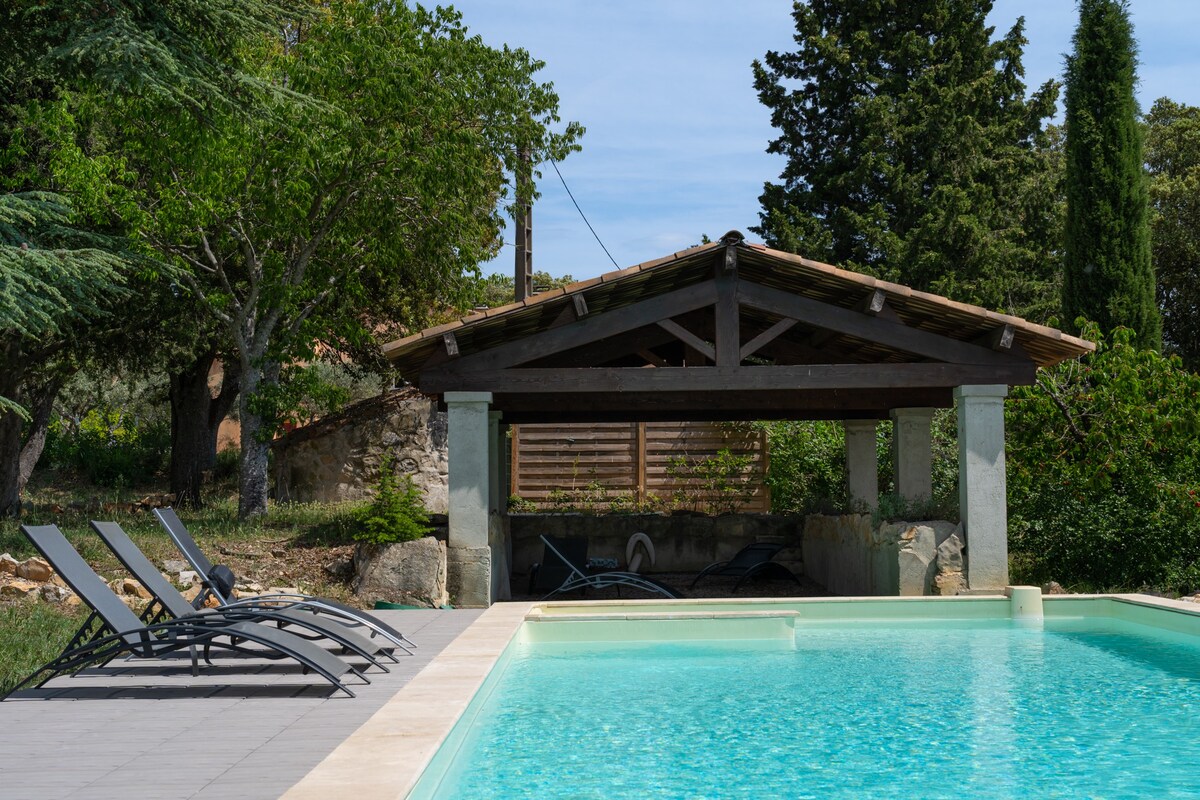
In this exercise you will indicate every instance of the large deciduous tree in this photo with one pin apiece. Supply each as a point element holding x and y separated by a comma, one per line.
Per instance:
<point>1173,156</point>
<point>68,255</point>
<point>364,190</point>
<point>1108,276</point>
<point>913,152</point>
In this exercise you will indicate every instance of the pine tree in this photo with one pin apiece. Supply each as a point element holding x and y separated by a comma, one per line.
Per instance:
<point>913,152</point>
<point>1108,276</point>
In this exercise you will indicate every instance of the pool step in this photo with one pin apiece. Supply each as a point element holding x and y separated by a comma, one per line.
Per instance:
<point>774,627</point>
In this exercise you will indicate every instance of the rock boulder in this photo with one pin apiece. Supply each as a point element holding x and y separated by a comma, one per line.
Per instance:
<point>412,573</point>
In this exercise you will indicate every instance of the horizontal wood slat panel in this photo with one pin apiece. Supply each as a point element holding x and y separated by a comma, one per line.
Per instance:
<point>588,465</point>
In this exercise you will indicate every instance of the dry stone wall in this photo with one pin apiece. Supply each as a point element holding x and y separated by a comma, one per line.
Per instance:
<point>338,457</point>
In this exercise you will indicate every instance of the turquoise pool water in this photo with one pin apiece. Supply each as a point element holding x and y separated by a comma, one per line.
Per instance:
<point>1080,708</point>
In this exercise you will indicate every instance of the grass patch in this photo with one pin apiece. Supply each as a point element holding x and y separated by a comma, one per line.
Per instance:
<point>31,634</point>
<point>288,547</point>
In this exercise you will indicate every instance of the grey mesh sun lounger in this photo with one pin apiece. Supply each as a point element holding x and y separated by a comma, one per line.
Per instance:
<point>113,629</point>
<point>168,603</point>
<point>569,554</point>
<point>218,580</point>
<point>752,561</point>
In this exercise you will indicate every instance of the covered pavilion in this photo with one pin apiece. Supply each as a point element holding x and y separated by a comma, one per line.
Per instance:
<point>730,331</point>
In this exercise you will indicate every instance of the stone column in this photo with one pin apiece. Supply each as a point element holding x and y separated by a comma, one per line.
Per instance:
<point>982,488</point>
<point>912,453</point>
<point>501,585</point>
<point>862,464</point>
<point>469,564</point>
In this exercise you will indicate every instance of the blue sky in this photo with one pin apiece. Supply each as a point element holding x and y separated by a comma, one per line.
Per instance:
<point>676,137</point>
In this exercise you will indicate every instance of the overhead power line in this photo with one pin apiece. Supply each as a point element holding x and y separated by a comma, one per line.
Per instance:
<point>585,219</point>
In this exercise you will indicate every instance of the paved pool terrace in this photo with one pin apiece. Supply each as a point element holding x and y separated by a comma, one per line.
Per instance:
<point>131,731</point>
<point>248,730</point>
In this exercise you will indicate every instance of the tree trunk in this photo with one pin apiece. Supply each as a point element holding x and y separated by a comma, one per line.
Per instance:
<point>38,427</point>
<point>12,371</point>
<point>256,449</point>
<point>195,419</point>
<point>10,464</point>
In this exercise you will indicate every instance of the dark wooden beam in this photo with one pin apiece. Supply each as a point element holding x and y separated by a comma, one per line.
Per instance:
<point>580,303</point>
<point>875,329</point>
<point>998,339</point>
<point>610,349</point>
<point>727,321</point>
<point>451,344</point>
<point>688,338</point>
<point>591,328</point>
<point>766,337</point>
<point>744,379</point>
<point>727,405</point>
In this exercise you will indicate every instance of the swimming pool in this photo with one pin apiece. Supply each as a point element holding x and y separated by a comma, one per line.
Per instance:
<point>880,698</point>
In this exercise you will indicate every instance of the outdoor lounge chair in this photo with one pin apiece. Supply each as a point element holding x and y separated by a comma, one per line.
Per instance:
<point>752,561</point>
<point>568,558</point>
<point>113,629</point>
<point>168,603</point>
<point>218,581</point>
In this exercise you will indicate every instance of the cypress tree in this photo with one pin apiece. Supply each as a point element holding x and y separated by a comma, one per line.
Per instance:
<point>1108,276</point>
<point>913,151</point>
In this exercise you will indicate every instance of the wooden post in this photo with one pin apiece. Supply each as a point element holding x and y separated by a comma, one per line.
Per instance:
<point>640,462</point>
<point>514,478</point>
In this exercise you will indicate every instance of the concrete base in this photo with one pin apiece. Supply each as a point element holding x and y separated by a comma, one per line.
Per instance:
<point>469,577</point>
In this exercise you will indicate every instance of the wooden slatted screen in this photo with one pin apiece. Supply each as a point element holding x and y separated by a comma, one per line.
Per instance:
<point>665,465</point>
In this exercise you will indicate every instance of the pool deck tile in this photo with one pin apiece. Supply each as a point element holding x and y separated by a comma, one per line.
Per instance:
<point>401,738</point>
<point>248,729</point>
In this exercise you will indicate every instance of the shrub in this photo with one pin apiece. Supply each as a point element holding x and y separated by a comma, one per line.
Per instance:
<point>396,514</point>
<point>109,447</point>
<point>807,471</point>
<point>1103,464</point>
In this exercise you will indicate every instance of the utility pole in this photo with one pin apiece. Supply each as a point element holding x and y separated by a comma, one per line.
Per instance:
<point>523,222</point>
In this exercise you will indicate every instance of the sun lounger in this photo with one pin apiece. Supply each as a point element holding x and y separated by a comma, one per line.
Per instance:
<point>168,603</point>
<point>752,561</point>
<point>113,629</point>
<point>219,580</point>
<point>568,557</point>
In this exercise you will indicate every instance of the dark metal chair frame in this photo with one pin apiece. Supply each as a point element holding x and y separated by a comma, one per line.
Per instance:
<point>112,629</point>
<point>319,605</point>
<point>752,561</point>
<point>168,603</point>
<point>578,577</point>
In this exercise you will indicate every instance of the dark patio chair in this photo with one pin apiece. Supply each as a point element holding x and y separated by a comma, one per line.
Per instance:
<point>752,561</point>
<point>567,557</point>
<point>219,580</point>
<point>168,603</point>
<point>113,629</point>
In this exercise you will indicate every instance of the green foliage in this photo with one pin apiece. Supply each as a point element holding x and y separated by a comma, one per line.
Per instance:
<point>1103,466</point>
<point>109,448</point>
<point>1108,277</point>
<point>807,472</point>
<point>719,484</point>
<point>499,289</point>
<point>1173,158</point>
<point>32,633</point>
<point>396,514</point>
<point>913,152</point>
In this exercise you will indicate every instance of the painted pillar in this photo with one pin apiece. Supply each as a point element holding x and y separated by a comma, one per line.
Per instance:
<point>497,530</point>
<point>469,564</point>
<point>862,464</point>
<point>912,453</point>
<point>982,488</point>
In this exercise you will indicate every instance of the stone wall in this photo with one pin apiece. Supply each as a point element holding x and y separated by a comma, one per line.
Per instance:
<point>850,556</point>
<point>682,542</point>
<point>337,458</point>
